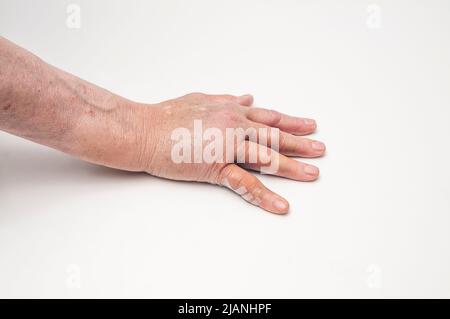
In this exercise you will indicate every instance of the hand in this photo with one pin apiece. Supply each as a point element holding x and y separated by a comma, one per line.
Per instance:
<point>54,108</point>
<point>222,112</point>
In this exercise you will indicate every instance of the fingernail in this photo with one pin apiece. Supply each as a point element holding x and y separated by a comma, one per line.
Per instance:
<point>310,122</point>
<point>311,170</point>
<point>280,205</point>
<point>246,97</point>
<point>318,146</point>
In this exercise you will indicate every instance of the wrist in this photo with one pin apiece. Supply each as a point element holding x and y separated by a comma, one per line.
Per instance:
<point>144,123</point>
<point>115,137</point>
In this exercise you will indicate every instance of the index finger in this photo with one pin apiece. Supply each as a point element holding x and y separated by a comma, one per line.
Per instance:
<point>286,123</point>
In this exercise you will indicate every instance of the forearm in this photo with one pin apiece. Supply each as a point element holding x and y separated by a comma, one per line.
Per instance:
<point>54,108</point>
<point>51,107</point>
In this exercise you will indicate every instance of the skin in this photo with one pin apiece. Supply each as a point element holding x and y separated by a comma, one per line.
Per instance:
<point>49,106</point>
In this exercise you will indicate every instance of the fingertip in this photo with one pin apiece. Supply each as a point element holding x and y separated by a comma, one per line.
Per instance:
<point>310,123</point>
<point>246,99</point>
<point>319,148</point>
<point>311,171</point>
<point>280,206</point>
<point>303,126</point>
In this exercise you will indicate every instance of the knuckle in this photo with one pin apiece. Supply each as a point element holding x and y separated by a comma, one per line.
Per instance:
<point>223,98</point>
<point>253,184</point>
<point>226,97</point>
<point>195,95</point>
<point>275,117</point>
<point>283,141</point>
<point>225,174</point>
<point>257,191</point>
<point>229,114</point>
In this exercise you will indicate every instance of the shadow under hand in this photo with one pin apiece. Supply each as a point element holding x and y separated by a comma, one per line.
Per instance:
<point>23,166</point>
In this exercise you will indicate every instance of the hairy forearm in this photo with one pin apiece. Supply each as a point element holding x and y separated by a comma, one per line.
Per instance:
<point>44,104</point>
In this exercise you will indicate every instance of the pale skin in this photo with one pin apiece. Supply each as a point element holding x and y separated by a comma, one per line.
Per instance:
<point>49,106</point>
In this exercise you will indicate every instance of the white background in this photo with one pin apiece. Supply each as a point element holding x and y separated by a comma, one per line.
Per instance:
<point>376,224</point>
